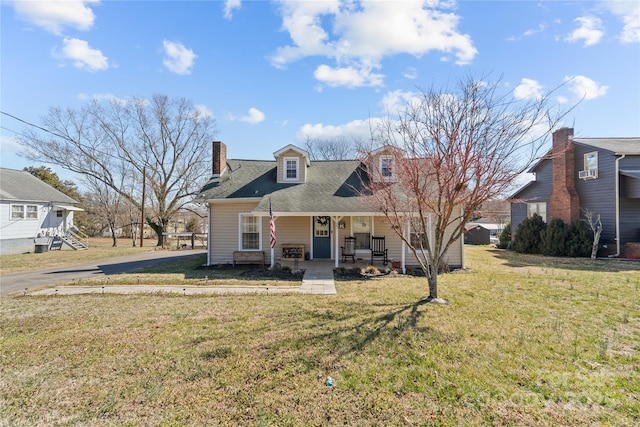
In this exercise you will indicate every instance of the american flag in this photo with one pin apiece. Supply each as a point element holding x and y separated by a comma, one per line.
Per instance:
<point>272,227</point>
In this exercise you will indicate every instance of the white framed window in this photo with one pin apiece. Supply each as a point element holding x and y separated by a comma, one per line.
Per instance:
<point>386,166</point>
<point>291,166</point>
<point>537,208</point>
<point>361,228</point>
<point>250,233</point>
<point>591,161</point>
<point>418,238</point>
<point>32,212</point>
<point>19,212</point>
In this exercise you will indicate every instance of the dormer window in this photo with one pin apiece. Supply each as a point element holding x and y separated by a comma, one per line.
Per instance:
<point>291,165</point>
<point>386,166</point>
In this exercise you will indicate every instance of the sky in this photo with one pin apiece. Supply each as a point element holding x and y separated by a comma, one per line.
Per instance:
<point>274,73</point>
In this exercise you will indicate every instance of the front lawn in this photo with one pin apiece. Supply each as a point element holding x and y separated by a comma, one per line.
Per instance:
<point>525,340</point>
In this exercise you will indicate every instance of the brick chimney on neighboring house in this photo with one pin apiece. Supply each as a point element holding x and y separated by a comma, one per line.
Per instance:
<point>564,202</point>
<point>219,152</point>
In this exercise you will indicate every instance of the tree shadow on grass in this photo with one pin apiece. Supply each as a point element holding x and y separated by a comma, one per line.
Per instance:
<point>336,333</point>
<point>514,259</point>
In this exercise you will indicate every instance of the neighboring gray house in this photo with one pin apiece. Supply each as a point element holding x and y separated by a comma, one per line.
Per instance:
<point>601,175</point>
<point>315,203</point>
<point>33,215</point>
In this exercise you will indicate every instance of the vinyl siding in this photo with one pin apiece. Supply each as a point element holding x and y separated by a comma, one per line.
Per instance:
<point>223,226</point>
<point>289,230</point>
<point>630,206</point>
<point>598,195</point>
<point>539,191</point>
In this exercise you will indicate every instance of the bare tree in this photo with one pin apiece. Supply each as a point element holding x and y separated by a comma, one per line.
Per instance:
<point>333,148</point>
<point>593,219</point>
<point>453,151</point>
<point>106,204</point>
<point>165,140</point>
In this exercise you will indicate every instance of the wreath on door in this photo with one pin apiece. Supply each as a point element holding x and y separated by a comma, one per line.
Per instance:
<point>323,220</point>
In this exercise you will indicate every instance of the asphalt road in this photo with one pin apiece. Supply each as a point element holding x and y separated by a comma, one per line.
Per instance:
<point>34,279</point>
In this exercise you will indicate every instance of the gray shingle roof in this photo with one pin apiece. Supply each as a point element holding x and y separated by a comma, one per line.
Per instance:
<point>24,187</point>
<point>330,188</point>
<point>629,146</point>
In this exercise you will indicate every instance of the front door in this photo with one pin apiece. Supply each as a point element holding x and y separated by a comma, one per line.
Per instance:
<point>321,237</point>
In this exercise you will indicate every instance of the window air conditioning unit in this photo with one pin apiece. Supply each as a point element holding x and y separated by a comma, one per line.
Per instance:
<point>588,174</point>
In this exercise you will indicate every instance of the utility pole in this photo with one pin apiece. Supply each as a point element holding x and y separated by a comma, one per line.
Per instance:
<point>144,183</point>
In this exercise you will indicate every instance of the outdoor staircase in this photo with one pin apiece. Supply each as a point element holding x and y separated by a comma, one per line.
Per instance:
<point>74,241</point>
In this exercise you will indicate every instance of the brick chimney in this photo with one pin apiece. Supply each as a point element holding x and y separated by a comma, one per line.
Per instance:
<point>219,152</point>
<point>564,202</point>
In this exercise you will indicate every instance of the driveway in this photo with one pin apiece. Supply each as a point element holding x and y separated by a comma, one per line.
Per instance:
<point>34,279</point>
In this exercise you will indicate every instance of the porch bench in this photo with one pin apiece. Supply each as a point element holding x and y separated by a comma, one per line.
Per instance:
<point>248,257</point>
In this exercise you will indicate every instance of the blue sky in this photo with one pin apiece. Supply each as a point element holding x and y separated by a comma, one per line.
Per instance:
<point>276,72</point>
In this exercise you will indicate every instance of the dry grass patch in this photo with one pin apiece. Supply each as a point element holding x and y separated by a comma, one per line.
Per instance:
<point>553,347</point>
<point>99,248</point>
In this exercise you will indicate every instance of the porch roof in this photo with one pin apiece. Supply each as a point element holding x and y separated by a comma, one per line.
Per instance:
<point>331,188</point>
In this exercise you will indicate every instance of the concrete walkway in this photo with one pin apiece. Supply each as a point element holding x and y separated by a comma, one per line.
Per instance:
<point>318,280</point>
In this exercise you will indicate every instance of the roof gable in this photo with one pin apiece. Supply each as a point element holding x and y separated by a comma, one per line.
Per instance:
<point>298,150</point>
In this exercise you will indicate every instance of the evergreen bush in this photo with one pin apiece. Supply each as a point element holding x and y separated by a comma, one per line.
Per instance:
<point>529,235</point>
<point>505,237</point>
<point>554,238</point>
<point>580,239</point>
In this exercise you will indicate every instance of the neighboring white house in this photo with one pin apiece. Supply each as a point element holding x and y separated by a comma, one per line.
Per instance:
<point>33,214</point>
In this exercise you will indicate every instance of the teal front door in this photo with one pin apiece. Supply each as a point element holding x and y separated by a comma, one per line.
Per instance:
<point>321,237</point>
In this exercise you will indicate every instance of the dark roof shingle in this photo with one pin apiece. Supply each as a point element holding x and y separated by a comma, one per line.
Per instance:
<point>22,186</point>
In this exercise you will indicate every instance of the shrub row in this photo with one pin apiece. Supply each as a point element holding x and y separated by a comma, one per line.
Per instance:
<point>534,236</point>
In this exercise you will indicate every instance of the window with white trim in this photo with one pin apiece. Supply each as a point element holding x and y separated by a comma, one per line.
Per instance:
<point>418,238</point>
<point>361,229</point>
<point>19,212</point>
<point>250,232</point>
<point>591,161</point>
<point>291,168</point>
<point>537,208</point>
<point>386,166</point>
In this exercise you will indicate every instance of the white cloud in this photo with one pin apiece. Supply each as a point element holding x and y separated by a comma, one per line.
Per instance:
<point>590,30</point>
<point>54,15</point>
<point>358,34</point>
<point>410,73</point>
<point>109,97</point>
<point>629,11</point>
<point>359,129</point>
<point>398,100</point>
<point>254,117</point>
<point>178,59</point>
<point>83,56</point>
<point>203,111</point>
<point>347,76</point>
<point>229,6</point>
<point>528,89</point>
<point>584,87</point>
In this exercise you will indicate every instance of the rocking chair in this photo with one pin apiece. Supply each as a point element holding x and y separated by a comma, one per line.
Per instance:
<point>349,249</point>
<point>378,250</point>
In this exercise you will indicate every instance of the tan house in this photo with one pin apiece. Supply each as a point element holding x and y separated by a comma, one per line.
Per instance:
<point>316,206</point>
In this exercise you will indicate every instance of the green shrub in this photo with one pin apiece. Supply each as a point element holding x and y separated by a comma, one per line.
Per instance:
<point>580,239</point>
<point>554,238</point>
<point>529,235</point>
<point>505,237</point>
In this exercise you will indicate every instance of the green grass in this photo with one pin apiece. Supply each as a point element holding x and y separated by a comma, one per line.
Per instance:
<point>99,248</point>
<point>525,340</point>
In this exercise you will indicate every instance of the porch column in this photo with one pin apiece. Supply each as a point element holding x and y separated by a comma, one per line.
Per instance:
<point>403,255</point>
<point>336,220</point>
